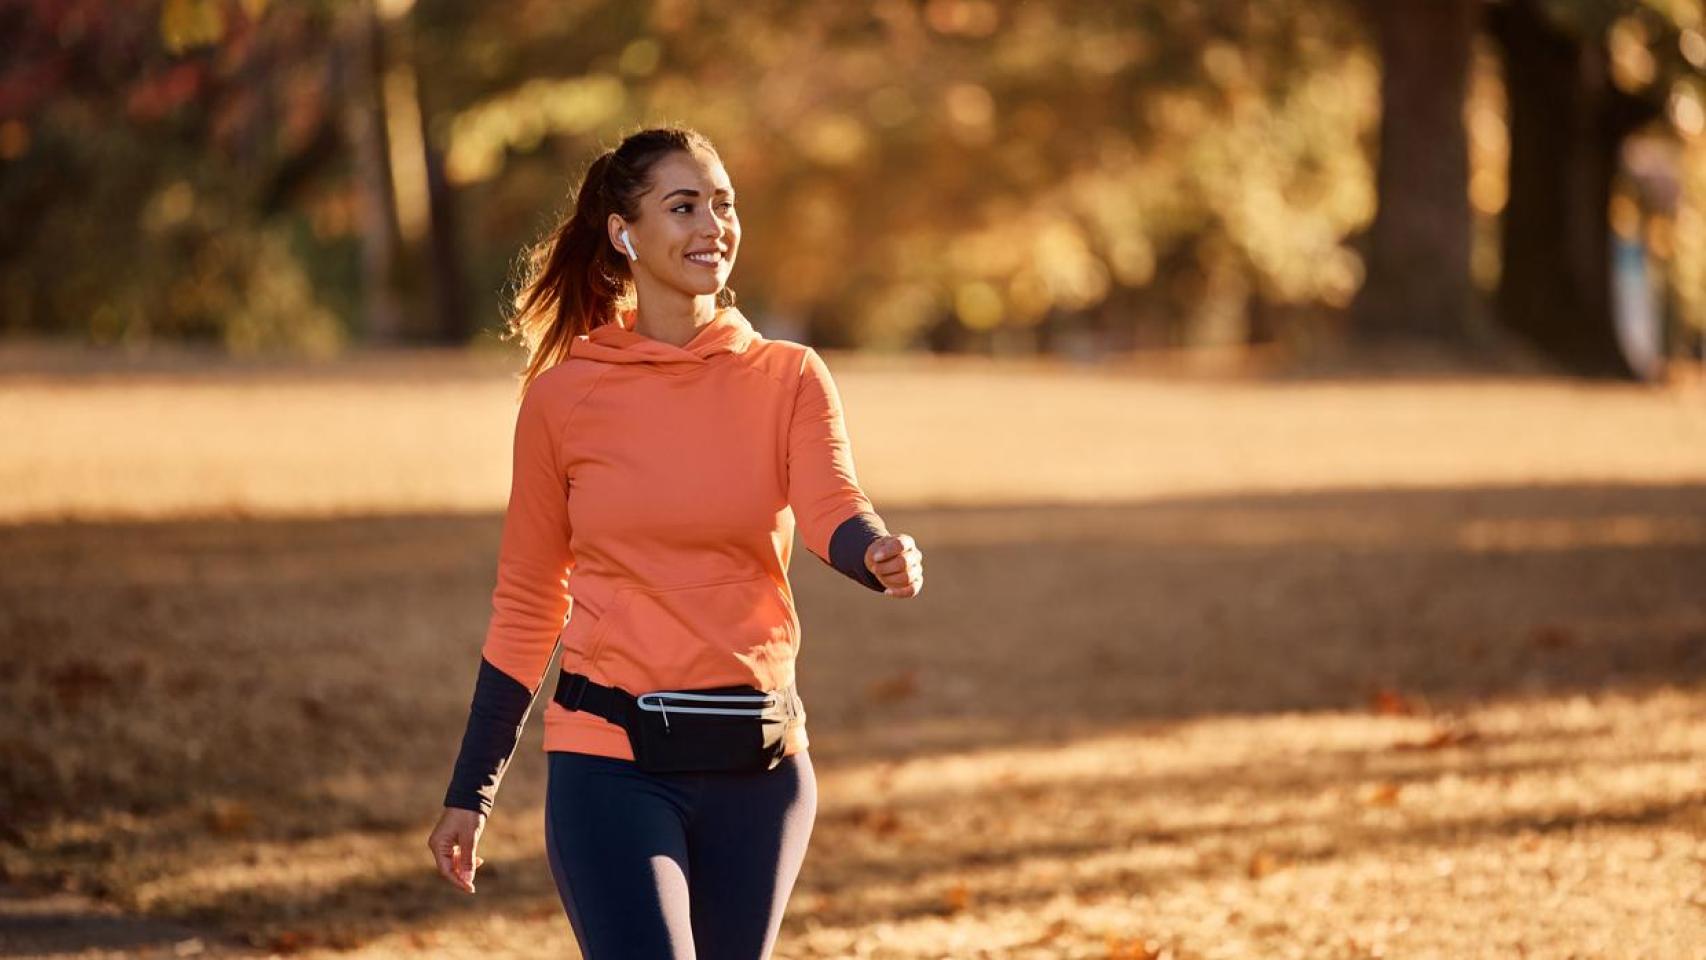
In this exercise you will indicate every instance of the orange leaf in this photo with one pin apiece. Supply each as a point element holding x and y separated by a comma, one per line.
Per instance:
<point>1383,795</point>
<point>1442,737</point>
<point>1390,703</point>
<point>1135,948</point>
<point>227,817</point>
<point>1261,864</point>
<point>893,688</point>
<point>957,897</point>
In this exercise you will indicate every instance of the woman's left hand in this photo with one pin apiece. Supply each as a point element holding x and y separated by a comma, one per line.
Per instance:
<point>897,563</point>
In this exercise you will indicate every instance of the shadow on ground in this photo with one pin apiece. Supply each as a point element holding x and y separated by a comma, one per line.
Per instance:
<point>232,693</point>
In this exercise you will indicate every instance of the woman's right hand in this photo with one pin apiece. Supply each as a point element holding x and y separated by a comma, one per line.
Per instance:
<point>897,563</point>
<point>452,845</point>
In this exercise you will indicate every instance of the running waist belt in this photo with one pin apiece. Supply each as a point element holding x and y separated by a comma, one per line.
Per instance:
<point>678,731</point>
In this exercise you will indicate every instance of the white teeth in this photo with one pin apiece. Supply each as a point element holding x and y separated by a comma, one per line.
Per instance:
<point>702,257</point>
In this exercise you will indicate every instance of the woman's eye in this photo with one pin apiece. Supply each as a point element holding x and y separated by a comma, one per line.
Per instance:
<point>682,206</point>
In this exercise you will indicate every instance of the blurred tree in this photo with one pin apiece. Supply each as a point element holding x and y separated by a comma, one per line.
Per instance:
<point>361,55</point>
<point>1074,175</point>
<point>1417,283</point>
<point>251,162</point>
<point>1581,76</point>
<point>146,151</point>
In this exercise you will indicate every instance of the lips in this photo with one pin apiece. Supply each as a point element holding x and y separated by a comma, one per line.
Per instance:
<point>705,258</point>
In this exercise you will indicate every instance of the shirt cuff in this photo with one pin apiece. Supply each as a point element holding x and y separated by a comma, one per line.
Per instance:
<point>847,546</point>
<point>494,725</point>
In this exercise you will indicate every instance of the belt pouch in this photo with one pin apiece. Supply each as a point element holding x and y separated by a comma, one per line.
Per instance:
<point>674,740</point>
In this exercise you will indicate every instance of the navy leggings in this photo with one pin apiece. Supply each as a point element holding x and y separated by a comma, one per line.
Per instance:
<point>676,866</point>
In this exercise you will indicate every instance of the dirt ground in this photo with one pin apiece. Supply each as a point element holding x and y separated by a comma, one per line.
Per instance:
<point>1205,667</point>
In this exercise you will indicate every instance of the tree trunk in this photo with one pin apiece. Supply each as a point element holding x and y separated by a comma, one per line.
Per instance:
<point>1567,123</point>
<point>362,56</point>
<point>449,301</point>
<point>1418,283</point>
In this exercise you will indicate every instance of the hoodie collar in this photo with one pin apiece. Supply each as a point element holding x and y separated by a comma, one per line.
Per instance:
<point>615,341</point>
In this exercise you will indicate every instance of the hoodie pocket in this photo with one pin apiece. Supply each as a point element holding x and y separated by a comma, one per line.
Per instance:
<point>594,641</point>
<point>724,632</point>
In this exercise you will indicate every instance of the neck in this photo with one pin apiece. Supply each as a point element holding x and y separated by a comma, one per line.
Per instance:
<point>671,316</point>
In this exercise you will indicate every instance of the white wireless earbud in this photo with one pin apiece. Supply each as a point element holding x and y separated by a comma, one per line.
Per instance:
<point>626,243</point>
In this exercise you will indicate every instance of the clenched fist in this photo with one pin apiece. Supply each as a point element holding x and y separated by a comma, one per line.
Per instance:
<point>897,563</point>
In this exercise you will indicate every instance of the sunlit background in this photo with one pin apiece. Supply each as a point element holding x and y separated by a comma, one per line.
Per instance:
<point>1300,406</point>
<point>1080,179</point>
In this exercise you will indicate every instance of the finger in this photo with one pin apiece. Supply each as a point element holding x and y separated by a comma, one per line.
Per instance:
<point>901,571</point>
<point>447,867</point>
<point>464,880</point>
<point>892,546</point>
<point>465,859</point>
<point>906,541</point>
<point>901,581</point>
<point>441,857</point>
<point>890,567</point>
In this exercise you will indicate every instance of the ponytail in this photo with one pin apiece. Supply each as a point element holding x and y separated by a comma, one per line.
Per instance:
<point>574,280</point>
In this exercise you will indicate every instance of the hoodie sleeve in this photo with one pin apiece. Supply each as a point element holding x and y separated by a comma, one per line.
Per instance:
<point>529,605</point>
<point>835,518</point>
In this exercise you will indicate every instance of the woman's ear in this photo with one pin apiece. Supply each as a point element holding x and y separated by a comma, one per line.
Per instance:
<point>619,237</point>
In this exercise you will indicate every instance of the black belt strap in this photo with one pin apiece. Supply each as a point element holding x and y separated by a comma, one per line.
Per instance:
<point>575,691</point>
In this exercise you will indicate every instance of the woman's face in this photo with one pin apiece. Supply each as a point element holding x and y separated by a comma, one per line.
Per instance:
<point>686,233</point>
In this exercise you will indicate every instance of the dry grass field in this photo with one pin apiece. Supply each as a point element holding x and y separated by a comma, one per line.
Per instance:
<point>1206,666</point>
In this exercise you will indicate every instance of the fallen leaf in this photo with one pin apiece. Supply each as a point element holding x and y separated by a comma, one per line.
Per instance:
<point>1390,703</point>
<point>1135,948</point>
<point>1261,864</point>
<point>1050,933</point>
<point>1383,795</point>
<point>291,941</point>
<point>957,897</point>
<point>1440,738</point>
<point>227,817</point>
<point>313,707</point>
<point>1552,637</point>
<point>893,688</point>
<point>878,820</point>
<point>78,680</point>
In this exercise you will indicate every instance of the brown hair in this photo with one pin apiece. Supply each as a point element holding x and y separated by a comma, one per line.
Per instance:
<point>573,280</point>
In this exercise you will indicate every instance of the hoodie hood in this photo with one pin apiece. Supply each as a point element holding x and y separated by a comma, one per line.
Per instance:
<point>616,342</point>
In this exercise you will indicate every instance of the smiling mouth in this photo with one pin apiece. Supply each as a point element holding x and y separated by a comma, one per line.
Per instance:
<point>705,259</point>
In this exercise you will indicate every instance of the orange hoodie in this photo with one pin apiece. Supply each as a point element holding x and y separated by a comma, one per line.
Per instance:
<point>653,501</point>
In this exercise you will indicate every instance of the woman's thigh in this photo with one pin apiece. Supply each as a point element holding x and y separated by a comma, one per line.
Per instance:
<point>616,839</point>
<point>746,843</point>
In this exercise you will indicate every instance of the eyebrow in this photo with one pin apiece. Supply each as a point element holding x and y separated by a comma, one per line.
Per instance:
<point>694,193</point>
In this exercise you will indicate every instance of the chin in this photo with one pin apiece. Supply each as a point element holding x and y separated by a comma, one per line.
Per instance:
<point>705,289</point>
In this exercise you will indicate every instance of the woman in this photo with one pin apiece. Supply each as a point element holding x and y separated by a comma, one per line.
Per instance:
<point>664,452</point>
